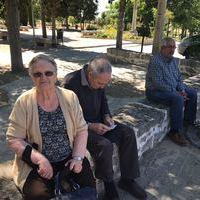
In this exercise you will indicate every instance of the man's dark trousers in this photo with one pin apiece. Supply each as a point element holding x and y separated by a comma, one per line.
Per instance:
<point>101,149</point>
<point>177,105</point>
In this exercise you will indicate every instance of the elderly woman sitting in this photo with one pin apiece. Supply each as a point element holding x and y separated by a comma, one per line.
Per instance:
<point>47,132</point>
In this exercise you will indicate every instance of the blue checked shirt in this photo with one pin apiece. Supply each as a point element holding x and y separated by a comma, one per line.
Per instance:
<point>163,74</point>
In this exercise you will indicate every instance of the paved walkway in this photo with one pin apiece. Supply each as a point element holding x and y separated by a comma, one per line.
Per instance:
<point>168,172</point>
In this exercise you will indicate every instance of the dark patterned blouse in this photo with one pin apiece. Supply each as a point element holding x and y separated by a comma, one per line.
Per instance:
<point>55,141</point>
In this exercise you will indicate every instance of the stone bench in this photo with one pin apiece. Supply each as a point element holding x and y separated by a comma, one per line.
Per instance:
<point>150,124</point>
<point>44,42</point>
<point>4,35</point>
<point>88,33</point>
<point>24,28</point>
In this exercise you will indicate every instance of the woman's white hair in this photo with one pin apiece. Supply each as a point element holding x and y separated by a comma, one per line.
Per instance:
<point>41,57</point>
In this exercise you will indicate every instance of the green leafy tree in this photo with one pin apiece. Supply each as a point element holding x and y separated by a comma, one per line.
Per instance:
<point>146,21</point>
<point>2,9</point>
<point>87,11</point>
<point>110,16</point>
<point>23,8</point>
<point>186,15</point>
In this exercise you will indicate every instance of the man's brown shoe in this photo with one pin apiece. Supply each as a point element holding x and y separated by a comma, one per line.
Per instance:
<point>178,139</point>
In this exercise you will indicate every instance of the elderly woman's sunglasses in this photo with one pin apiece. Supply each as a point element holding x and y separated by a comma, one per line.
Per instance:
<point>40,74</point>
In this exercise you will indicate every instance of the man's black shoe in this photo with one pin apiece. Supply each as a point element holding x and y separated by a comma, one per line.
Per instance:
<point>110,191</point>
<point>133,188</point>
<point>178,138</point>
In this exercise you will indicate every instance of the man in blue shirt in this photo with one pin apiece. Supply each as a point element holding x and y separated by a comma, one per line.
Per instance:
<point>164,85</point>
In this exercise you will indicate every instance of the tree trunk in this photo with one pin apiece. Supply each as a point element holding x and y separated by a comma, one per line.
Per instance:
<point>120,24</point>
<point>43,21</point>
<point>160,20</point>
<point>66,23</point>
<point>53,16</point>
<point>134,17</point>
<point>142,44</point>
<point>23,14</point>
<point>14,35</point>
<point>30,13</point>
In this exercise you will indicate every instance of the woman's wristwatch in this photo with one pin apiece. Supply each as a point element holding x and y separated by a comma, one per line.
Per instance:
<point>77,158</point>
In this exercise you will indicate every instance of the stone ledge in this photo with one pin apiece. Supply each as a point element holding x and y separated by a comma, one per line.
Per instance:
<point>45,42</point>
<point>24,28</point>
<point>4,34</point>
<point>150,124</point>
<point>88,33</point>
<point>188,66</point>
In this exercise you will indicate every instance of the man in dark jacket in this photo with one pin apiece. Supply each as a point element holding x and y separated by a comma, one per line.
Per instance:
<point>89,83</point>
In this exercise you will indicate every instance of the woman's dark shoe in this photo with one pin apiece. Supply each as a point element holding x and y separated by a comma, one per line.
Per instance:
<point>111,191</point>
<point>133,188</point>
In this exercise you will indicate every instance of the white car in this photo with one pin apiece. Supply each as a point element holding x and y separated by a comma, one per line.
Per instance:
<point>190,47</point>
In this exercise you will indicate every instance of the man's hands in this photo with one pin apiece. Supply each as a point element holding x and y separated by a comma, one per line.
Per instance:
<point>108,120</point>
<point>99,128</point>
<point>185,96</point>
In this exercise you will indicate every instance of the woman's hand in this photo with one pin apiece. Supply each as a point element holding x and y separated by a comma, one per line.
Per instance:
<point>74,165</point>
<point>45,169</point>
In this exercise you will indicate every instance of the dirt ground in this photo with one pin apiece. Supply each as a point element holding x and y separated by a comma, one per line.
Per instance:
<point>6,76</point>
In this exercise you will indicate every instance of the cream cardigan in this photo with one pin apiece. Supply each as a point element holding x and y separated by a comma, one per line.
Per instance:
<point>24,124</point>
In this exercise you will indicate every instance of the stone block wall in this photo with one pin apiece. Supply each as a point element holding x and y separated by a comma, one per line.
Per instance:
<point>188,67</point>
<point>150,124</point>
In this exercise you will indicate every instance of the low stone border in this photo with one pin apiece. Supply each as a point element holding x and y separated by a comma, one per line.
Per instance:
<point>45,42</point>
<point>3,34</point>
<point>188,66</point>
<point>87,33</point>
<point>24,28</point>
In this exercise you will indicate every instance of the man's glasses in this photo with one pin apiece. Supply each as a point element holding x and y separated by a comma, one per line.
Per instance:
<point>40,74</point>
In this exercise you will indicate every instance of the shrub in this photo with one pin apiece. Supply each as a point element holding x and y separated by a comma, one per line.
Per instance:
<point>107,32</point>
<point>91,27</point>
